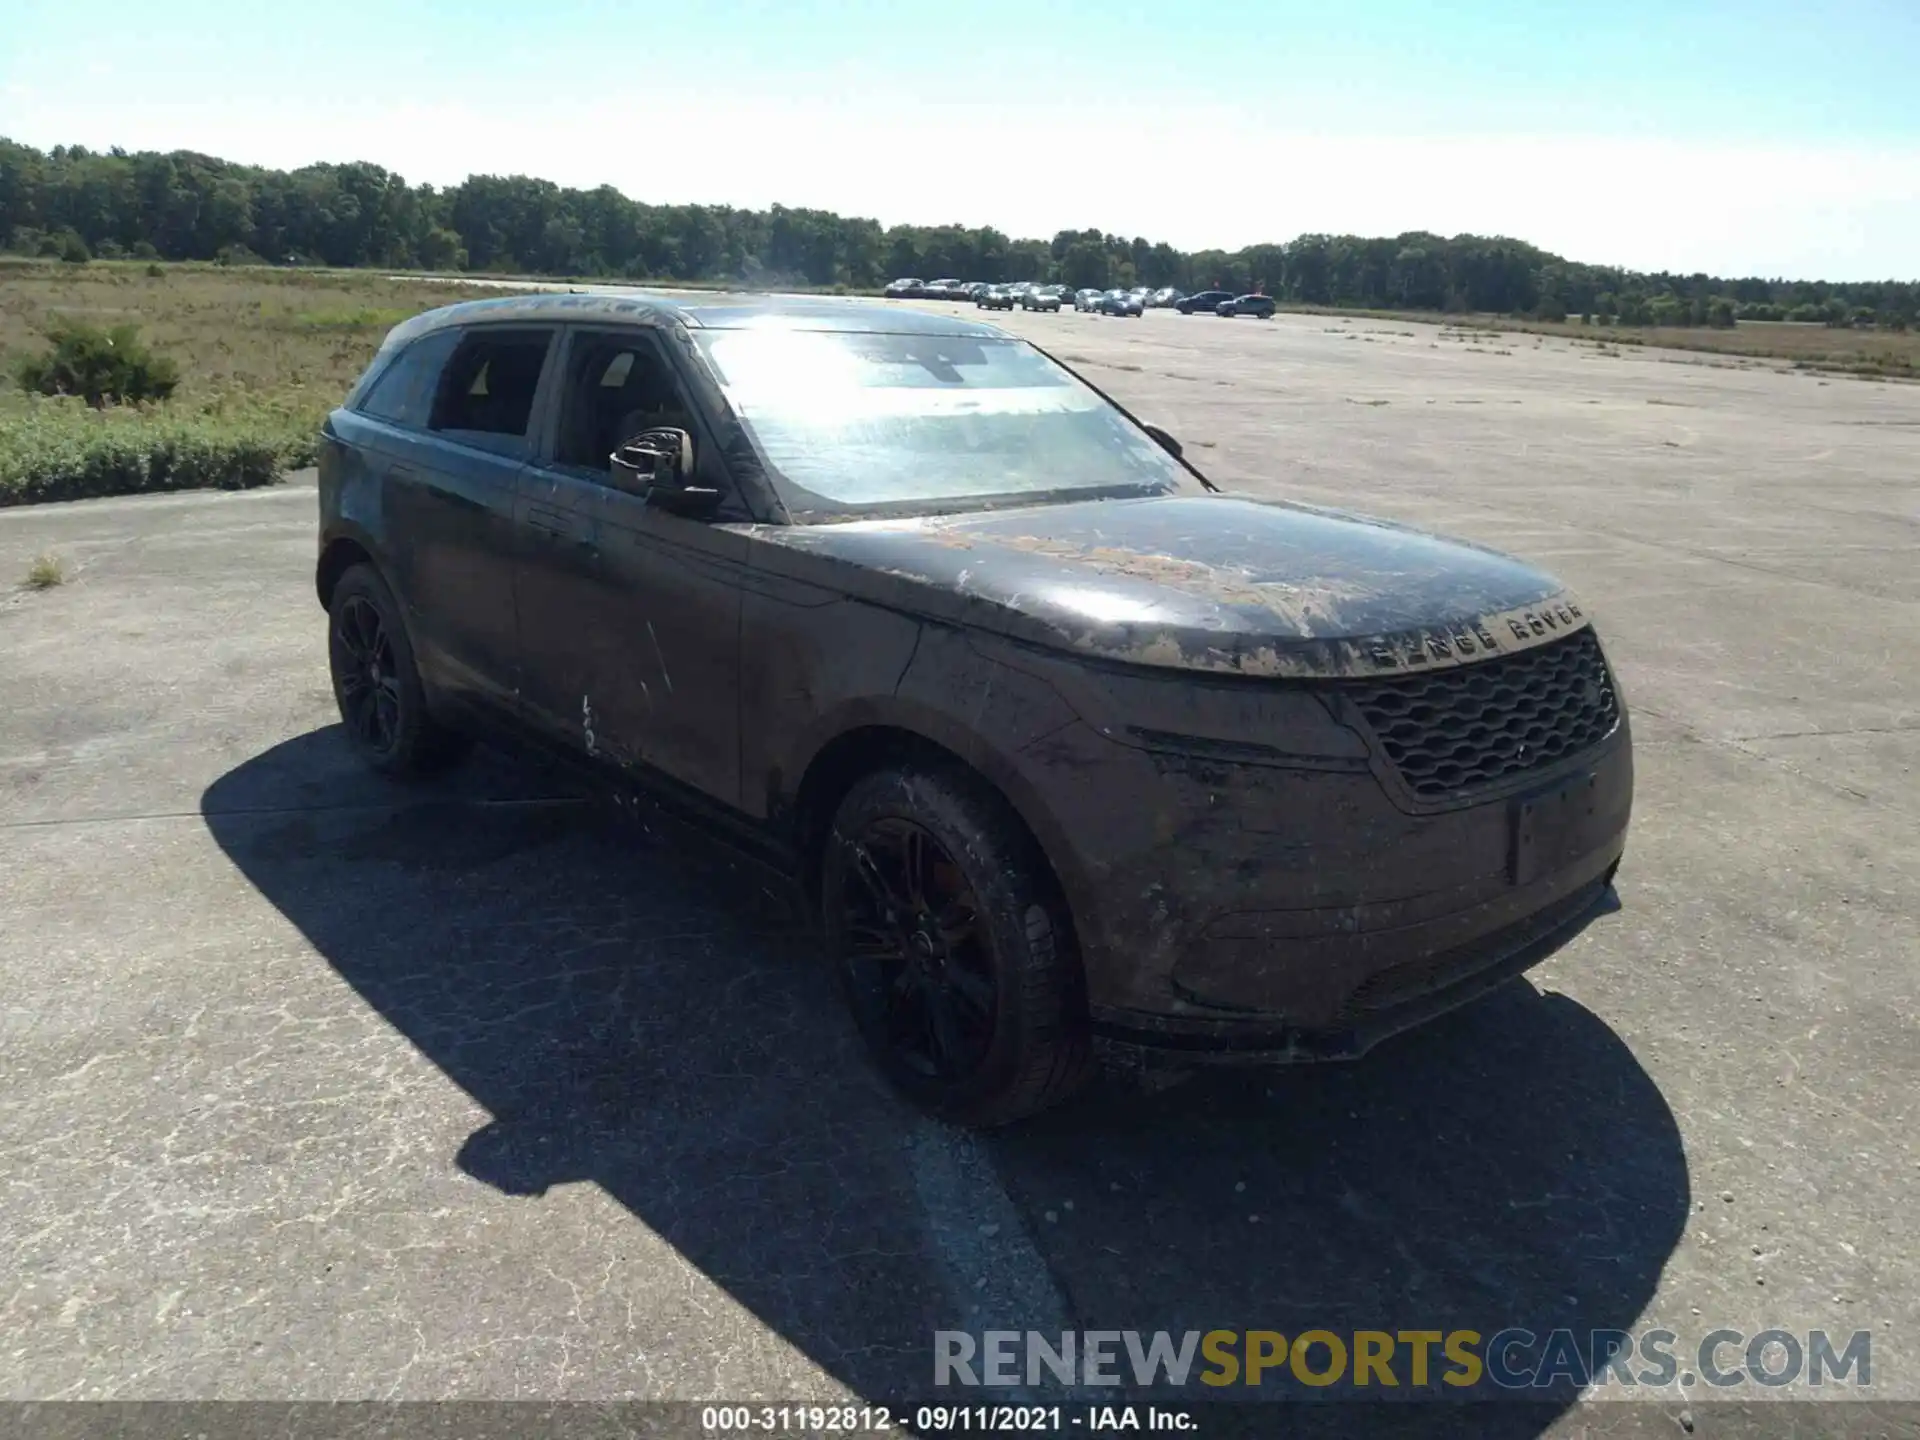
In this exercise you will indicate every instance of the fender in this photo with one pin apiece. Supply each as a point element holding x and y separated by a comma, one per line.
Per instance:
<point>350,508</point>
<point>1000,768</point>
<point>329,567</point>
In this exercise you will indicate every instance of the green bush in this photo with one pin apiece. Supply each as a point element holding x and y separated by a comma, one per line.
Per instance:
<point>62,449</point>
<point>99,366</point>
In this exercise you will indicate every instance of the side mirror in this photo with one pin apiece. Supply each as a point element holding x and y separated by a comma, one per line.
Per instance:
<point>658,464</point>
<point>1165,441</point>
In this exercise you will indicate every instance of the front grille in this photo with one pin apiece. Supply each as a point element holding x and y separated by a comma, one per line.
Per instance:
<point>1472,725</point>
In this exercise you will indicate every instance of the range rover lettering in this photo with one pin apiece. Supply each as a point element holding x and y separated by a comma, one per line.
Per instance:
<point>1064,743</point>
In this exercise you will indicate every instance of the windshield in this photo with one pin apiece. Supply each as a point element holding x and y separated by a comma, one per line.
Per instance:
<point>862,423</point>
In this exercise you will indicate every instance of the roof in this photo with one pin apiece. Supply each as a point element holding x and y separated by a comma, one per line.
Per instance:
<point>720,312</point>
<point>803,312</point>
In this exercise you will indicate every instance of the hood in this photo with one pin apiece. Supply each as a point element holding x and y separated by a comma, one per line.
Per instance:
<point>1217,583</point>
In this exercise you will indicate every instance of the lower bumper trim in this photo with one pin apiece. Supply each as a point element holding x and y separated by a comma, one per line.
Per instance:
<point>1484,967</point>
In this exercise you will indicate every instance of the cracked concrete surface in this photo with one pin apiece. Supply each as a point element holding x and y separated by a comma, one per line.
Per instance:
<point>313,1088</point>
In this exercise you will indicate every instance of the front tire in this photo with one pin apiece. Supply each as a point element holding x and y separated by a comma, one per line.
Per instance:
<point>377,684</point>
<point>953,948</point>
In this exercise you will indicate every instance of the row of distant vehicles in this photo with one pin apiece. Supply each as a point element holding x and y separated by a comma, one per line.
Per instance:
<point>1026,295</point>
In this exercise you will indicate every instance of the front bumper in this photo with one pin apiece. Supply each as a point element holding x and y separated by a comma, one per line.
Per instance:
<point>1264,913</point>
<point>1384,1003</point>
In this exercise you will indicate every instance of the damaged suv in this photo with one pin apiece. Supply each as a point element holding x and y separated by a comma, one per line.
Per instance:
<point>1064,743</point>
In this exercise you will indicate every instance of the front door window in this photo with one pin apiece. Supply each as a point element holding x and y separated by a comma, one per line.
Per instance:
<point>616,386</point>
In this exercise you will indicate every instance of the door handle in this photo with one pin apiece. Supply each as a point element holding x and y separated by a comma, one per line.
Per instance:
<point>557,523</point>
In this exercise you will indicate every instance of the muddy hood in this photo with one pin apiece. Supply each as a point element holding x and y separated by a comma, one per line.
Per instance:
<point>1199,582</point>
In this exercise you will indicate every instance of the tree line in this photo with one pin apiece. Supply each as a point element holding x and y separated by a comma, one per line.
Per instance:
<point>77,204</point>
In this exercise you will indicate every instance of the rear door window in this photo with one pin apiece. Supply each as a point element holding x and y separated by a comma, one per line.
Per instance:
<point>403,393</point>
<point>487,389</point>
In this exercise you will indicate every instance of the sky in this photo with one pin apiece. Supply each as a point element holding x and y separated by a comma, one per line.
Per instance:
<point>1757,137</point>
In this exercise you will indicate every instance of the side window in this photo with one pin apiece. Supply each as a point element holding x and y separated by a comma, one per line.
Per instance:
<point>617,384</point>
<point>403,395</point>
<point>488,386</point>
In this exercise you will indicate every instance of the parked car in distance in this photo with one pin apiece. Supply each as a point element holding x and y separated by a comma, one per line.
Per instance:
<point>974,289</point>
<point>1119,302</point>
<point>1062,742</point>
<point>1205,301</point>
<point>1086,299</point>
<point>1042,297</point>
<point>995,297</point>
<point>905,289</point>
<point>1142,293</point>
<point>1166,298</point>
<point>948,289</point>
<point>1260,305</point>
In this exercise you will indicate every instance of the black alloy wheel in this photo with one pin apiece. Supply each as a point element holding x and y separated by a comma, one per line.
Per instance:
<point>919,957</point>
<point>365,678</point>
<point>953,947</point>
<point>383,706</point>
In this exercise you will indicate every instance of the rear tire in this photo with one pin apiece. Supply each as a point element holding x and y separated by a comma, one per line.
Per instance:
<point>377,685</point>
<point>953,948</point>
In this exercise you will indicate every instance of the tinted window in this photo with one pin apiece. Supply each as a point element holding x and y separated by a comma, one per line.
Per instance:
<point>403,395</point>
<point>857,421</point>
<point>617,385</point>
<point>488,386</point>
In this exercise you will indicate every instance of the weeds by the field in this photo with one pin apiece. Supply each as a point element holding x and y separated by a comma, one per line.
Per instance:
<point>45,571</point>
<point>263,356</point>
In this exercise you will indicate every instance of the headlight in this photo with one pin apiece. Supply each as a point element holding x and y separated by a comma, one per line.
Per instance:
<point>1181,712</point>
<point>1252,722</point>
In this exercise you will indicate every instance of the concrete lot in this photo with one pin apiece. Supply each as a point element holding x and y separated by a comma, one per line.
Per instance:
<point>311,1088</point>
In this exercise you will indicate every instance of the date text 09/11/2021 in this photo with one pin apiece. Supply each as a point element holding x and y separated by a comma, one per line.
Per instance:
<point>720,1420</point>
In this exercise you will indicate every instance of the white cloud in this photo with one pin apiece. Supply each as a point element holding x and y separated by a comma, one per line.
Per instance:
<point>1193,176</point>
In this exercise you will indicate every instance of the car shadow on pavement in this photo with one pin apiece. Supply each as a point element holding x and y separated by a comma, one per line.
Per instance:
<point>639,1008</point>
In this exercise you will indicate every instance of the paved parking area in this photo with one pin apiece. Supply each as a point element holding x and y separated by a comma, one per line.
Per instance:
<point>310,1088</point>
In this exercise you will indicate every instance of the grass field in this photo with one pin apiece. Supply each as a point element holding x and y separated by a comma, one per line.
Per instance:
<point>1886,354</point>
<point>263,355</point>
